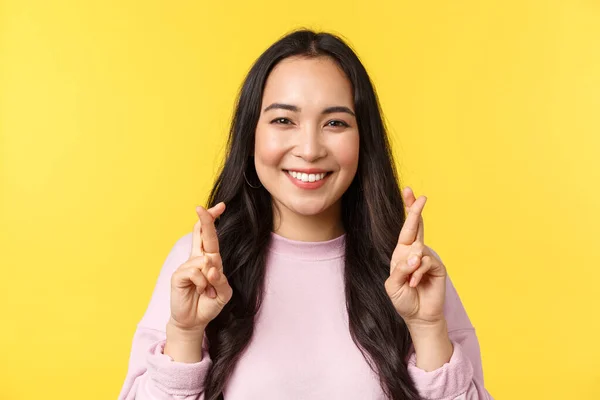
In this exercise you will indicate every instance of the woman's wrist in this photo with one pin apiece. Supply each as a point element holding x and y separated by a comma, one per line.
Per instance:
<point>432,344</point>
<point>184,345</point>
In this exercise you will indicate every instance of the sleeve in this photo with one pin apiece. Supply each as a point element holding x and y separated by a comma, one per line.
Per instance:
<point>151,374</point>
<point>462,377</point>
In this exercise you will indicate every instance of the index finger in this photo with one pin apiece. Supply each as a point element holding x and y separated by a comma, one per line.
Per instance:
<point>196,240</point>
<point>409,199</point>
<point>410,229</point>
<point>210,241</point>
<point>421,230</point>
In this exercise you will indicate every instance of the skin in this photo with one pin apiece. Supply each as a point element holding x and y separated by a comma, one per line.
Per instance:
<point>307,137</point>
<point>302,135</point>
<point>418,290</point>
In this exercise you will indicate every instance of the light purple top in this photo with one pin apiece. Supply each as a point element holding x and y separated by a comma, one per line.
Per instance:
<point>301,347</point>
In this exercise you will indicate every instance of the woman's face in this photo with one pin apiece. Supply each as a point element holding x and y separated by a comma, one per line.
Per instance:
<point>306,146</point>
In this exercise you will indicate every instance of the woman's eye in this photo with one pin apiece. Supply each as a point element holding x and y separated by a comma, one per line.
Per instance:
<point>283,121</point>
<point>337,123</point>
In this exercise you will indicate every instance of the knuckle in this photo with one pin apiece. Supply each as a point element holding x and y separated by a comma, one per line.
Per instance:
<point>427,260</point>
<point>202,282</point>
<point>388,284</point>
<point>404,267</point>
<point>179,270</point>
<point>179,276</point>
<point>227,293</point>
<point>195,261</point>
<point>181,267</point>
<point>418,246</point>
<point>223,279</point>
<point>424,268</point>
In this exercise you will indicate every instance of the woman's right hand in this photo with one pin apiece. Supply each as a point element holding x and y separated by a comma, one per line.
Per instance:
<point>199,289</point>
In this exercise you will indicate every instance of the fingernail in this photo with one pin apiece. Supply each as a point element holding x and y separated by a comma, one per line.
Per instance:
<point>413,282</point>
<point>211,292</point>
<point>198,209</point>
<point>412,261</point>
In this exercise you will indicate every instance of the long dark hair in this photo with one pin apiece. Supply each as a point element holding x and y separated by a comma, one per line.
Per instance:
<point>372,213</point>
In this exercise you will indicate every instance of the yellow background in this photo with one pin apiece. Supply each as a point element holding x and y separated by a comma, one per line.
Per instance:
<point>113,117</point>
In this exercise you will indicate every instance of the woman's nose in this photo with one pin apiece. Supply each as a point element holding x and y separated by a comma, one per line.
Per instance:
<point>310,147</point>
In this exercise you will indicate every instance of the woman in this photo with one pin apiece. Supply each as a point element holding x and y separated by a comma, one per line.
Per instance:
<point>311,284</point>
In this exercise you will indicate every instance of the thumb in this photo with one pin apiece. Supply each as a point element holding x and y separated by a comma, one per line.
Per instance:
<point>219,281</point>
<point>399,277</point>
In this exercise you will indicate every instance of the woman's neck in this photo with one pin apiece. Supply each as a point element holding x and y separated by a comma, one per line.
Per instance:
<point>308,228</point>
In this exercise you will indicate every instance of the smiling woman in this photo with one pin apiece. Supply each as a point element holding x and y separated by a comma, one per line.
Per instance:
<point>307,128</point>
<point>313,284</point>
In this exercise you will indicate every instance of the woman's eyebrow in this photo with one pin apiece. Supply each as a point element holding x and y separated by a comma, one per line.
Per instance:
<point>337,109</point>
<point>328,110</point>
<point>282,106</point>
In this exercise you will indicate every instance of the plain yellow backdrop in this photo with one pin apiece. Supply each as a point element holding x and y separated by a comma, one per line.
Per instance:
<point>113,118</point>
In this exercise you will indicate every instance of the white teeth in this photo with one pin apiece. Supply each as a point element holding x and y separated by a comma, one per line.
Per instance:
<point>307,177</point>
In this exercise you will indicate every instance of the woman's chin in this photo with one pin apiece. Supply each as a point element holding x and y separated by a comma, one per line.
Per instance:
<point>309,209</point>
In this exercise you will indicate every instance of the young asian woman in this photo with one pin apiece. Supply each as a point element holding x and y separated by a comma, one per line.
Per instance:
<point>307,276</point>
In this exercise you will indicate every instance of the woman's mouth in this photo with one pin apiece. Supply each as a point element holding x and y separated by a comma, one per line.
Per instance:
<point>304,180</point>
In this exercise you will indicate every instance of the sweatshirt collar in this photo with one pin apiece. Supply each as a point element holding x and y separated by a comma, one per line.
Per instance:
<point>314,251</point>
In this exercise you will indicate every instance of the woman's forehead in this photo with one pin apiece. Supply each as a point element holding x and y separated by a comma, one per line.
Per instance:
<point>305,81</point>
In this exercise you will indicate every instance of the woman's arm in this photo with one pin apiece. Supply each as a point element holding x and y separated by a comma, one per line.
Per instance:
<point>461,376</point>
<point>151,374</point>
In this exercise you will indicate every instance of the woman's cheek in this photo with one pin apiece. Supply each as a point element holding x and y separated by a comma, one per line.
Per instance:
<point>269,147</point>
<point>346,152</point>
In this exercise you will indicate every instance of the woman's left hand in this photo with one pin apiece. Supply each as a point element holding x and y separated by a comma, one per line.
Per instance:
<point>416,290</point>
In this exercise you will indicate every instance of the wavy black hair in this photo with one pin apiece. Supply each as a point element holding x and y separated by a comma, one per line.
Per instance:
<point>372,214</point>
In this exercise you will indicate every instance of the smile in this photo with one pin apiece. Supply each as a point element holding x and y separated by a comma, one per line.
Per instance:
<point>306,180</point>
<point>304,177</point>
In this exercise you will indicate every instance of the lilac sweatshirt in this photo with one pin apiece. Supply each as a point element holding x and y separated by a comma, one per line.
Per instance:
<point>301,347</point>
